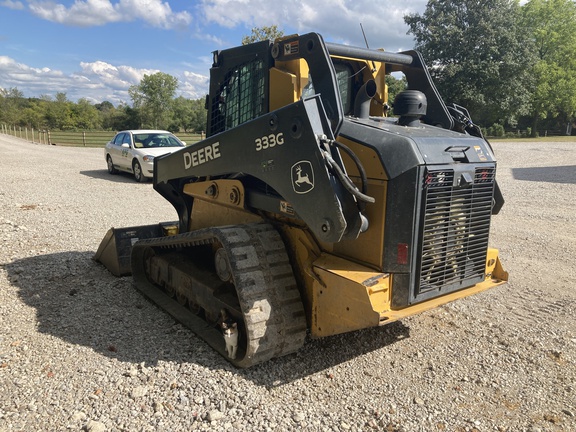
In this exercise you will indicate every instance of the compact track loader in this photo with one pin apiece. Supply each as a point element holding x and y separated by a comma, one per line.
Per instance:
<point>307,209</point>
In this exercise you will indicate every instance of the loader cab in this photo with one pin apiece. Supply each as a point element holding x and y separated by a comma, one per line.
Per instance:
<point>251,80</point>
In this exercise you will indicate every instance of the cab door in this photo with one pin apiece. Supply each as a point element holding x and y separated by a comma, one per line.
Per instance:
<point>126,151</point>
<point>114,150</point>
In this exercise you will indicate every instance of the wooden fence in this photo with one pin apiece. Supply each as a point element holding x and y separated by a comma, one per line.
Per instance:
<point>77,138</point>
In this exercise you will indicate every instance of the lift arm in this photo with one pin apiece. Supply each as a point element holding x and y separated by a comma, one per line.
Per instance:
<point>288,149</point>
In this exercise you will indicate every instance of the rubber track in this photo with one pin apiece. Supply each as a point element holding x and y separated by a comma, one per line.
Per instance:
<point>274,319</point>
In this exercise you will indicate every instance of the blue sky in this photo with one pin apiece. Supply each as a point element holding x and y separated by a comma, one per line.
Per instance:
<point>97,49</point>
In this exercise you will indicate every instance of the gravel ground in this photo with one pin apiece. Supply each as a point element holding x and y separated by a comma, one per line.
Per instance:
<point>82,350</point>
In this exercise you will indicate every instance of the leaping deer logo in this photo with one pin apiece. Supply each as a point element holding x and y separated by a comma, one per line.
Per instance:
<point>302,177</point>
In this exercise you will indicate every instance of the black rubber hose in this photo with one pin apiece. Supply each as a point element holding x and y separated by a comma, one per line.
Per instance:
<point>361,171</point>
<point>346,182</point>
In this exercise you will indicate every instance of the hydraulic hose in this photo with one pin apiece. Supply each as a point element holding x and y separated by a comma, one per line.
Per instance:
<point>346,182</point>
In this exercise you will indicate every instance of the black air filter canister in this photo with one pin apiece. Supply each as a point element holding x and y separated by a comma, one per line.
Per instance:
<point>410,105</point>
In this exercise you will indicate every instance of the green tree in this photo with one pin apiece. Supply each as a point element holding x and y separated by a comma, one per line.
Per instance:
<point>85,115</point>
<point>479,55</point>
<point>262,34</point>
<point>34,115</point>
<point>11,103</point>
<point>122,118</point>
<point>182,110</point>
<point>190,114</point>
<point>153,97</point>
<point>199,115</point>
<point>59,113</point>
<point>107,112</point>
<point>395,86</point>
<point>552,24</point>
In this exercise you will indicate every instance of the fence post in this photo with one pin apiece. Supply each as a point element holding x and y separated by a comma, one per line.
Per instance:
<point>49,142</point>
<point>84,138</point>
<point>32,134</point>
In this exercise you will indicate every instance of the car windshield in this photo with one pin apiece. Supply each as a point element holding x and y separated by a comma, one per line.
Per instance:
<point>152,140</point>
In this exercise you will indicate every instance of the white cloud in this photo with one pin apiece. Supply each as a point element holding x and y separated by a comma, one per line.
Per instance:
<point>336,20</point>
<point>16,74</point>
<point>95,81</point>
<point>155,12</point>
<point>16,5</point>
<point>117,77</point>
<point>193,85</point>
<point>87,13</point>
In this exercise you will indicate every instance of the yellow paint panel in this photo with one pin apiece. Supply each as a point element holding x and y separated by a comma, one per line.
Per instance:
<point>346,296</point>
<point>368,248</point>
<point>287,80</point>
<point>218,203</point>
<point>368,157</point>
<point>283,88</point>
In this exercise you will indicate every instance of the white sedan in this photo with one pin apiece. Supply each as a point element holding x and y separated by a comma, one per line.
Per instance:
<point>134,151</point>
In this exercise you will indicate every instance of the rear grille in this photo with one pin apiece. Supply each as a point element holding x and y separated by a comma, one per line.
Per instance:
<point>454,232</point>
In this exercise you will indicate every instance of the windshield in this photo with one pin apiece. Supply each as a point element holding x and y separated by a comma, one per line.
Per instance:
<point>152,140</point>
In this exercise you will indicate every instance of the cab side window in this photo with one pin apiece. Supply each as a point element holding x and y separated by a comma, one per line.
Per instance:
<point>119,139</point>
<point>126,139</point>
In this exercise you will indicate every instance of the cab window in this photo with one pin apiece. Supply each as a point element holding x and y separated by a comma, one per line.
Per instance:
<point>119,139</point>
<point>344,80</point>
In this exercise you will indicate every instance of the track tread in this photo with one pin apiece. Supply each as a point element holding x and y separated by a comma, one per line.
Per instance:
<point>274,318</point>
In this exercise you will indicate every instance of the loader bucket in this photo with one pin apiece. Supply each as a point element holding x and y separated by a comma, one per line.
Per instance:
<point>115,249</point>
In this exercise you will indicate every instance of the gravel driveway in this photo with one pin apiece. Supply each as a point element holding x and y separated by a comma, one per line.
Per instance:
<point>82,350</point>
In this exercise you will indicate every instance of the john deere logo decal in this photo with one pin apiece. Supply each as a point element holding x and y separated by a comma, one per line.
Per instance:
<point>302,177</point>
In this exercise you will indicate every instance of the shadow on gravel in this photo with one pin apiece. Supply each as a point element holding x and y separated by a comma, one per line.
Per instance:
<point>78,301</point>
<point>557,174</point>
<point>121,177</point>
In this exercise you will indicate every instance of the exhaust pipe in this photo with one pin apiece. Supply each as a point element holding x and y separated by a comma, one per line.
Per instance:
<point>363,99</point>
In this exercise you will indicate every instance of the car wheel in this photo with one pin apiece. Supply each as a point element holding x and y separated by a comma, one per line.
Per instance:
<point>137,170</point>
<point>111,168</point>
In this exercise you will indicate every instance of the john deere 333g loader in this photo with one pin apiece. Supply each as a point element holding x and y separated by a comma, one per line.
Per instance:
<point>309,208</point>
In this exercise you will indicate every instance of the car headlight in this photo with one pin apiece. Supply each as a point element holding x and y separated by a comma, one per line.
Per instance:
<point>148,158</point>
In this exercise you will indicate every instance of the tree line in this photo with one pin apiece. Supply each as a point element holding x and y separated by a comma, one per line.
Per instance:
<point>154,105</point>
<point>512,66</point>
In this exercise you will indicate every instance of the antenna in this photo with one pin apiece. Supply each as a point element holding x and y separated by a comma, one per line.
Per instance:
<point>366,42</point>
<point>364,34</point>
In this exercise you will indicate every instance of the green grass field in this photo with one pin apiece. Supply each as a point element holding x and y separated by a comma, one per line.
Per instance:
<point>83,139</point>
<point>100,138</point>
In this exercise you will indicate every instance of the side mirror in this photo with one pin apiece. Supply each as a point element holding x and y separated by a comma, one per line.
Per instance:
<point>125,145</point>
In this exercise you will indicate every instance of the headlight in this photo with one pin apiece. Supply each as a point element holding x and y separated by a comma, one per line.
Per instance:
<point>148,158</point>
